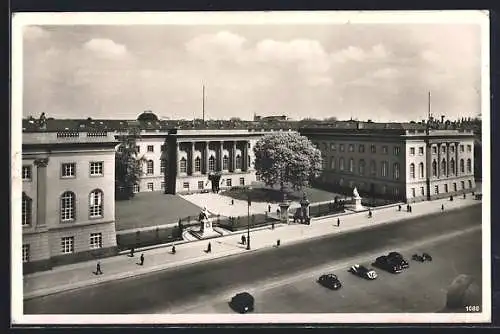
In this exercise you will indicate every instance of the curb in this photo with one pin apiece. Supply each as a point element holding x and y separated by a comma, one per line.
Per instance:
<point>232,252</point>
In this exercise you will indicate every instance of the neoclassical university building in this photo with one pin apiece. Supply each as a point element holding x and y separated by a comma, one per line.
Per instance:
<point>68,171</point>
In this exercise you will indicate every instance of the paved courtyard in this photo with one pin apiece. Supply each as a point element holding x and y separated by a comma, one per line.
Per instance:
<point>152,209</point>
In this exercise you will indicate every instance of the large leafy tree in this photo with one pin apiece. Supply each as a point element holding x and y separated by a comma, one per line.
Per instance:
<point>128,165</point>
<point>287,157</point>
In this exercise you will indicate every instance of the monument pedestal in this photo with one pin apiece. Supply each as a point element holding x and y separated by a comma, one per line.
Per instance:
<point>357,204</point>
<point>284,206</point>
<point>207,229</point>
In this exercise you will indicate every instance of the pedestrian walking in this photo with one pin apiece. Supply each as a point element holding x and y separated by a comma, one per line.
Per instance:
<point>209,248</point>
<point>465,196</point>
<point>369,213</point>
<point>338,222</point>
<point>278,212</point>
<point>472,193</point>
<point>232,202</point>
<point>142,259</point>
<point>399,207</point>
<point>98,268</point>
<point>243,240</point>
<point>408,207</point>
<point>173,249</point>
<point>272,225</point>
<point>278,243</point>
<point>451,198</point>
<point>131,252</point>
<point>269,207</point>
<point>442,207</point>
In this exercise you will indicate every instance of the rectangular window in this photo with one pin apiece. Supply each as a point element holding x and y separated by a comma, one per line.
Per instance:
<point>342,148</point>
<point>136,188</point>
<point>461,148</point>
<point>67,245</point>
<point>26,207</point>
<point>68,169</point>
<point>333,147</point>
<point>445,188</point>
<point>436,190</point>
<point>454,186</point>
<point>197,165</point>
<point>443,149</point>
<point>163,185</point>
<point>150,168</point>
<point>470,184</point>
<point>151,148</point>
<point>150,186</point>
<point>396,150</point>
<point>469,148</point>
<point>373,149</point>
<point>95,240</point>
<point>351,147</point>
<point>242,181</point>
<point>324,163</point>
<point>183,166</point>
<point>385,149</point>
<point>200,185</point>
<point>138,149</point>
<point>162,166</point>
<point>422,191</point>
<point>26,173</point>
<point>412,150</point>
<point>421,150</point>
<point>96,168</point>
<point>211,164</point>
<point>462,183</point>
<point>185,185</point>
<point>228,182</point>
<point>396,191</point>
<point>332,163</point>
<point>26,253</point>
<point>413,192</point>
<point>434,149</point>
<point>361,148</point>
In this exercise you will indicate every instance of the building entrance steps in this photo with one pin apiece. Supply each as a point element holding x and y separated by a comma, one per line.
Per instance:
<point>79,275</point>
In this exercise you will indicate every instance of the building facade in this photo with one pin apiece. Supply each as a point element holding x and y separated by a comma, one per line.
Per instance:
<point>401,161</point>
<point>180,161</point>
<point>68,202</point>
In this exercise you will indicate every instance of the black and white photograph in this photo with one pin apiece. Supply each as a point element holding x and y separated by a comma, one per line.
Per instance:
<point>251,167</point>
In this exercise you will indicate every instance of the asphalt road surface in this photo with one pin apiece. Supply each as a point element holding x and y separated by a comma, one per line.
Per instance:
<point>169,290</point>
<point>421,288</point>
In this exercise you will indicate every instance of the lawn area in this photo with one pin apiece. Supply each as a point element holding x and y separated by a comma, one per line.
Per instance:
<point>152,209</point>
<point>273,195</point>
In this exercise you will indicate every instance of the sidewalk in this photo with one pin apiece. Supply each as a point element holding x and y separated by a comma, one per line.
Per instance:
<point>81,274</point>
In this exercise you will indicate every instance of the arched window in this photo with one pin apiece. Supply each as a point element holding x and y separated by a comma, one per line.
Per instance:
<point>150,167</point>
<point>469,166</point>
<point>27,210</point>
<point>351,165</point>
<point>197,164</point>
<point>211,164</point>
<point>462,166</point>
<point>396,171</point>
<point>434,168</point>
<point>238,161</point>
<point>452,166</point>
<point>443,167</point>
<point>332,163</point>
<point>362,167</point>
<point>412,170</point>
<point>225,162</point>
<point>384,168</point>
<point>95,204</point>
<point>68,206</point>
<point>373,168</point>
<point>421,170</point>
<point>182,165</point>
<point>341,164</point>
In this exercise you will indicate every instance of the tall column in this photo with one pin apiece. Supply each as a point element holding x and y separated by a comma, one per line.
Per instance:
<point>41,191</point>
<point>192,158</point>
<point>447,159</point>
<point>178,158</point>
<point>439,161</point>
<point>457,146</point>
<point>206,156</point>
<point>221,156</point>
<point>233,157</point>
<point>245,156</point>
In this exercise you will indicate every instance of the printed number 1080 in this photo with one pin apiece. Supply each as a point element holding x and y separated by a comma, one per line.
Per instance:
<point>472,308</point>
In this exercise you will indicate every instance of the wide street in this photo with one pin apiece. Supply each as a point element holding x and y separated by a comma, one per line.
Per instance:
<point>176,290</point>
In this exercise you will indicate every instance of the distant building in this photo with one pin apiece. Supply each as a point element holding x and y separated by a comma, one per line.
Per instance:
<point>270,118</point>
<point>68,202</point>
<point>395,160</point>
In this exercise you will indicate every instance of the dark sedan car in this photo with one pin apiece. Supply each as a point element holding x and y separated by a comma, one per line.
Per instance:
<point>388,264</point>
<point>398,258</point>
<point>242,302</point>
<point>330,281</point>
<point>363,272</point>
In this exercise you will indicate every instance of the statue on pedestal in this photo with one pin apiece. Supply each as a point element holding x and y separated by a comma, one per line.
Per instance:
<point>357,200</point>
<point>355,193</point>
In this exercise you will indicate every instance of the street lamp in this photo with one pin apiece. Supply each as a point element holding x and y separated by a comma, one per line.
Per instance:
<point>249,202</point>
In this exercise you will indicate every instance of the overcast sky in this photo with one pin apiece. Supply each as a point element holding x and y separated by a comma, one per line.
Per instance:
<point>378,72</point>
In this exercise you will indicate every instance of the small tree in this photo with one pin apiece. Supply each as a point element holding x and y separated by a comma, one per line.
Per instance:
<point>287,157</point>
<point>128,166</point>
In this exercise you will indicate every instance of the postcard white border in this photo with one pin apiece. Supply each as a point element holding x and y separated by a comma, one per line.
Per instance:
<point>19,20</point>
